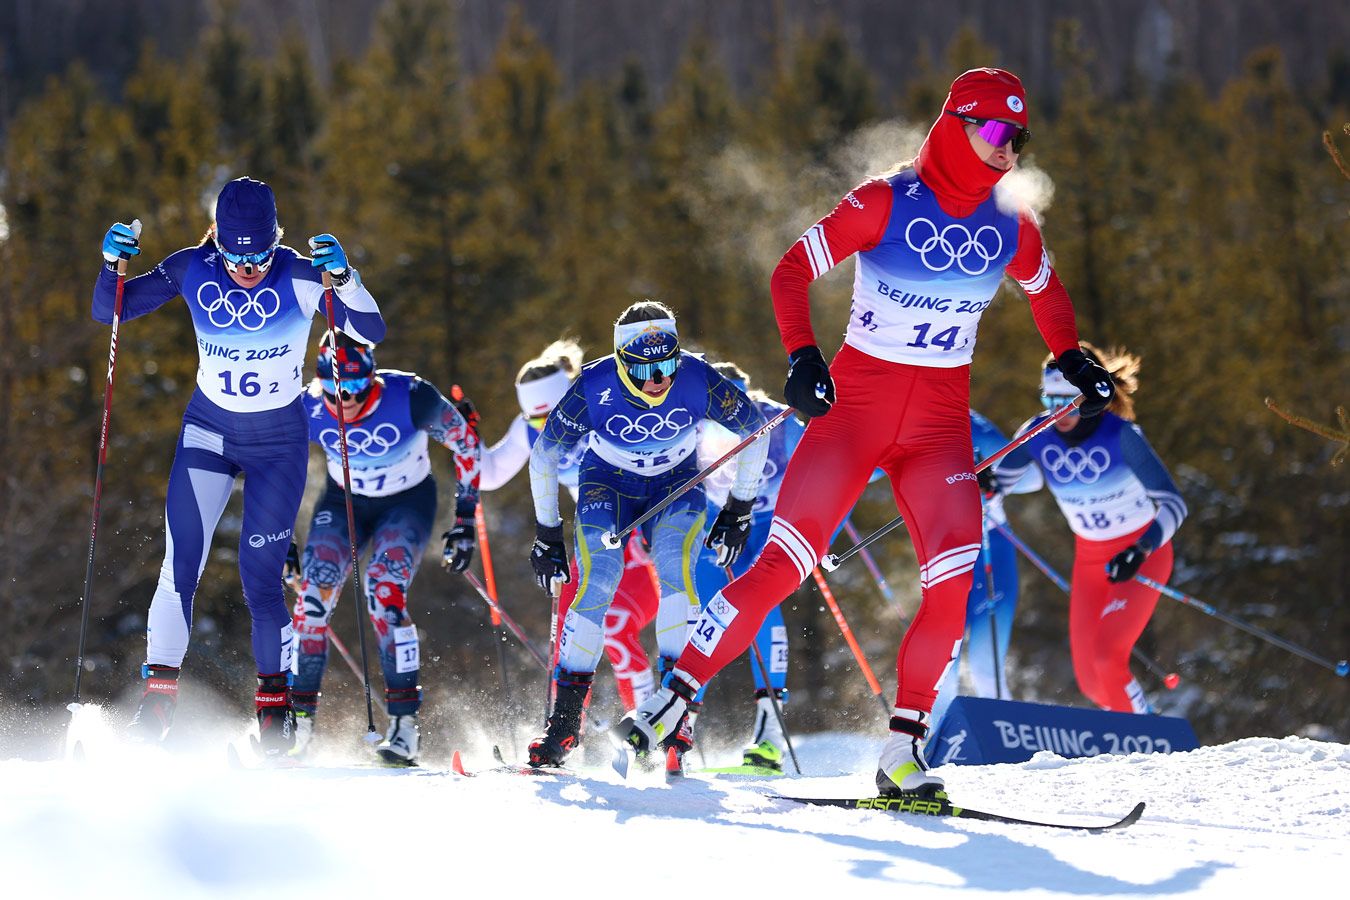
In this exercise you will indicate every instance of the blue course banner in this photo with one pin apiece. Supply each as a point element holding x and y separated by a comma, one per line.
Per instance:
<point>977,731</point>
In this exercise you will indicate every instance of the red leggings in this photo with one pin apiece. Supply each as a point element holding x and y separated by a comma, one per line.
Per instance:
<point>635,603</point>
<point>913,422</point>
<point>1106,619</point>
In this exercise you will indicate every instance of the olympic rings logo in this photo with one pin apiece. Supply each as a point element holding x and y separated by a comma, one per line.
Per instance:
<point>650,426</point>
<point>249,311</point>
<point>954,245</point>
<point>375,442</point>
<point>1076,463</point>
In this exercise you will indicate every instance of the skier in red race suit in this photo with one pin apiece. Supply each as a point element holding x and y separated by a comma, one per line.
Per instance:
<point>934,240</point>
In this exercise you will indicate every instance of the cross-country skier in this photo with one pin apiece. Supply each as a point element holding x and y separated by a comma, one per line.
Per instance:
<point>1123,508</point>
<point>390,416</point>
<point>993,600</point>
<point>767,743</point>
<point>640,409</point>
<point>540,384</point>
<point>251,300</point>
<point>934,241</point>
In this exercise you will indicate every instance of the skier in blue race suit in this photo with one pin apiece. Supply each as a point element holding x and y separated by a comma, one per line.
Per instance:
<point>641,408</point>
<point>993,600</point>
<point>251,300</point>
<point>767,743</point>
<point>389,416</point>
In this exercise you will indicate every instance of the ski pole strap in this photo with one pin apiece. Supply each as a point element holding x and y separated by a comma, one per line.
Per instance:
<point>614,539</point>
<point>1341,668</point>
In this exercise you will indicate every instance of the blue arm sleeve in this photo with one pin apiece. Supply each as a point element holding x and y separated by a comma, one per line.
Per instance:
<point>439,418</point>
<point>1017,472</point>
<point>565,426</point>
<point>142,294</point>
<point>1162,490</point>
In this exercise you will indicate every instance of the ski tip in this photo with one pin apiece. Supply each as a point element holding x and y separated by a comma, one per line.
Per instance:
<point>457,764</point>
<point>1132,817</point>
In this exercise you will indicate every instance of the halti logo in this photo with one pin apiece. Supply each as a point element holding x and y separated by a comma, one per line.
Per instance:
<point>257,540</point>
<point>1115,605</point>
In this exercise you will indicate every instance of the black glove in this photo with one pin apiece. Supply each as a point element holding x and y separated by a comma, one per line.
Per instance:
<point>988,481</point>
<point>730,531</point>
<point>1090,378</point>
<point>809,386</point>
<point>1125,564</point>
<point>291,572</point>
<point>548,557</point>
<point>458,550</point>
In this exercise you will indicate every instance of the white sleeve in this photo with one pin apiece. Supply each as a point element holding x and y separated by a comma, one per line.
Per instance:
<point>505,458</point>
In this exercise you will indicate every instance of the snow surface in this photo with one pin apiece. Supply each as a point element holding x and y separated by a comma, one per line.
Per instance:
<point>1259,816</point>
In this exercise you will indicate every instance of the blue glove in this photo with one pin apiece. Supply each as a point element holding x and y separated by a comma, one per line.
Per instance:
<point>328,254</point>
<point>122,241</point>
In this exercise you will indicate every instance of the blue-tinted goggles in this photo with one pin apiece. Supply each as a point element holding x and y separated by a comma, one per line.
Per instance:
<point>350,386</point>
<point>262,259</point>
<point>1056,402</point>
<point>642,372</point>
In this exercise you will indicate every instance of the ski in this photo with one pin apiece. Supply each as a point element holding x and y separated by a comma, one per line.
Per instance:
<point>506,768</point>
<point>924,806</point>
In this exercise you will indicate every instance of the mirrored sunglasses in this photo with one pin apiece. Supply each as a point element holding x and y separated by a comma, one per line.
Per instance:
<point>642,372</point>
<point>996,133</point>
<point>1056,402</point>
<point>350,386</point>
<point>260,260</point>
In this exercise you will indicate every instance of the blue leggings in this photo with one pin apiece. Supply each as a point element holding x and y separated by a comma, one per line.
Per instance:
<point>979,643</point>
<point>397,529</point>
<point>271,450</point>
<point>771,639</point>
<point>609,498</point>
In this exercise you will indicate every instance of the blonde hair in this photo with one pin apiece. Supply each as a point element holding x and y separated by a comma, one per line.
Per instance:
<point>1124,369</point>
<point>563,355</point>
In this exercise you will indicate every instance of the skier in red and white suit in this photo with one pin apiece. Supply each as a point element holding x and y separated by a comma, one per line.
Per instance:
<point>933,240</point>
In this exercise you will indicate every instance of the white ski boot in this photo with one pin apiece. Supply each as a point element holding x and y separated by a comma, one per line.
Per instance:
<point>647,727</point>
<point>304,734</point>
<point>901,771</point>
<point>401,741</point>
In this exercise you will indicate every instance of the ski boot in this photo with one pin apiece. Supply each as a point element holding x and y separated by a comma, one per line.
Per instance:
<point>276,717</point>
<point>902,771</point>
<point>306,706</point>
<point>154,716</point>
<point>563,734</point>
<point>401,741</point>
<point>681,742</point>
<point>768,737</point>
<point>646,728</point>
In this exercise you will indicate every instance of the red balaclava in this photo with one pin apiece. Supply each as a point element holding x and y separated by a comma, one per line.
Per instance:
<point>947,163</point>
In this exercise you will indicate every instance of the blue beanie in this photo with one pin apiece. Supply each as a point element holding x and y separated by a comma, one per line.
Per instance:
<point>246,216</point>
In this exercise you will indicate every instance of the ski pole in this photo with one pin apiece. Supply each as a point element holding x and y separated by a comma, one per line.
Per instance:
<point>74,704</point>
<point>871,563</point>
<point>850,639</point>
<point>1170,680</point>
<point>832,561</point>
<point>1341,668</point>
<point>991,604</point>
<point>371,736</point>
<point>485,551</point>
<point>614,540</point>
<point>510,623</point>
<point>346,655</point>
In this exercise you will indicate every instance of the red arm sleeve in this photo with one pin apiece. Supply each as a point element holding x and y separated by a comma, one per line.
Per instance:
<point>1050,304</point>
<point>857,223</point>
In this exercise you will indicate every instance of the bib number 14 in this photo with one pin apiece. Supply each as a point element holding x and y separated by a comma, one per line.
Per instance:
<point>946,338</point>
